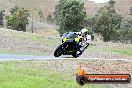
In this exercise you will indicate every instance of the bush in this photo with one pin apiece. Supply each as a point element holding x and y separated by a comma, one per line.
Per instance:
<point>18,19</point>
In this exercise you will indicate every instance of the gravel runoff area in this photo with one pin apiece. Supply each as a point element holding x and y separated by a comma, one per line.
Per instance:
<point>91,67</point>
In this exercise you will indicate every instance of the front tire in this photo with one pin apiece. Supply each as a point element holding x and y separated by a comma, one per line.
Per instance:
<point>58,51</point>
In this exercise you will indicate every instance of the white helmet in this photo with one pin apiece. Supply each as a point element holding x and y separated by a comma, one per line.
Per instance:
<point>84,31</point>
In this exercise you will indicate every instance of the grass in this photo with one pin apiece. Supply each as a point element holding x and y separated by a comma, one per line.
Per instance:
<point>119,51</point>
<point>25,74</point>
<point>4,51</point>
<point>113,50</point>
<point>36,38</point>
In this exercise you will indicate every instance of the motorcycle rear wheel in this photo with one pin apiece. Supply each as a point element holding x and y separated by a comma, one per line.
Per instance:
<point>75,55</point>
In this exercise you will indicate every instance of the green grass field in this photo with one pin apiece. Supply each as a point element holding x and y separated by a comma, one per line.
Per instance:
<point>25,74</point>
<point>117,51</point>
<point>4,51</point>
<point>120,51</point>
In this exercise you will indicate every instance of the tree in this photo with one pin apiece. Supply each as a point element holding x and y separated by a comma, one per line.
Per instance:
<point>13,10</point>
<point>58,11</point>
<point>2,18</point>
<point>89,22</point>
<point>41,16</point>
<point>111,3</point>
<point>18,19</point>
<point>72,16</point>
<point>125,32</point>
<point>107,23</point>
<point>131,10</point>
<point>49,18</point>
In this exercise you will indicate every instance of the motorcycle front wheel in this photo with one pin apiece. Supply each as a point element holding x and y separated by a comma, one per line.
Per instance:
<point>58,52</point>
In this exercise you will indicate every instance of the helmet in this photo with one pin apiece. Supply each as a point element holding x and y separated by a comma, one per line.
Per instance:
<point>84,31</point>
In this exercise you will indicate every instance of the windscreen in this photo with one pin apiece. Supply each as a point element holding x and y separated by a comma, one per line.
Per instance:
<point>70,35</point>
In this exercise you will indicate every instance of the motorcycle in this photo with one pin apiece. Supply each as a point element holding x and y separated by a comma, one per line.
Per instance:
<point>70,45</point>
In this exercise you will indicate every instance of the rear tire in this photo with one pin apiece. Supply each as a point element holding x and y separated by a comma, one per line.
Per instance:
<point>75,55</point>
<point>58,51</point>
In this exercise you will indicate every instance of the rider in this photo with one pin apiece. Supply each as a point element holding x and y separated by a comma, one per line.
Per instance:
<point>86,38</point>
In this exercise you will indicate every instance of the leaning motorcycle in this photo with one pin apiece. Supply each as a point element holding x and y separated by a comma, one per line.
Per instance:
<point>70,45</point>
